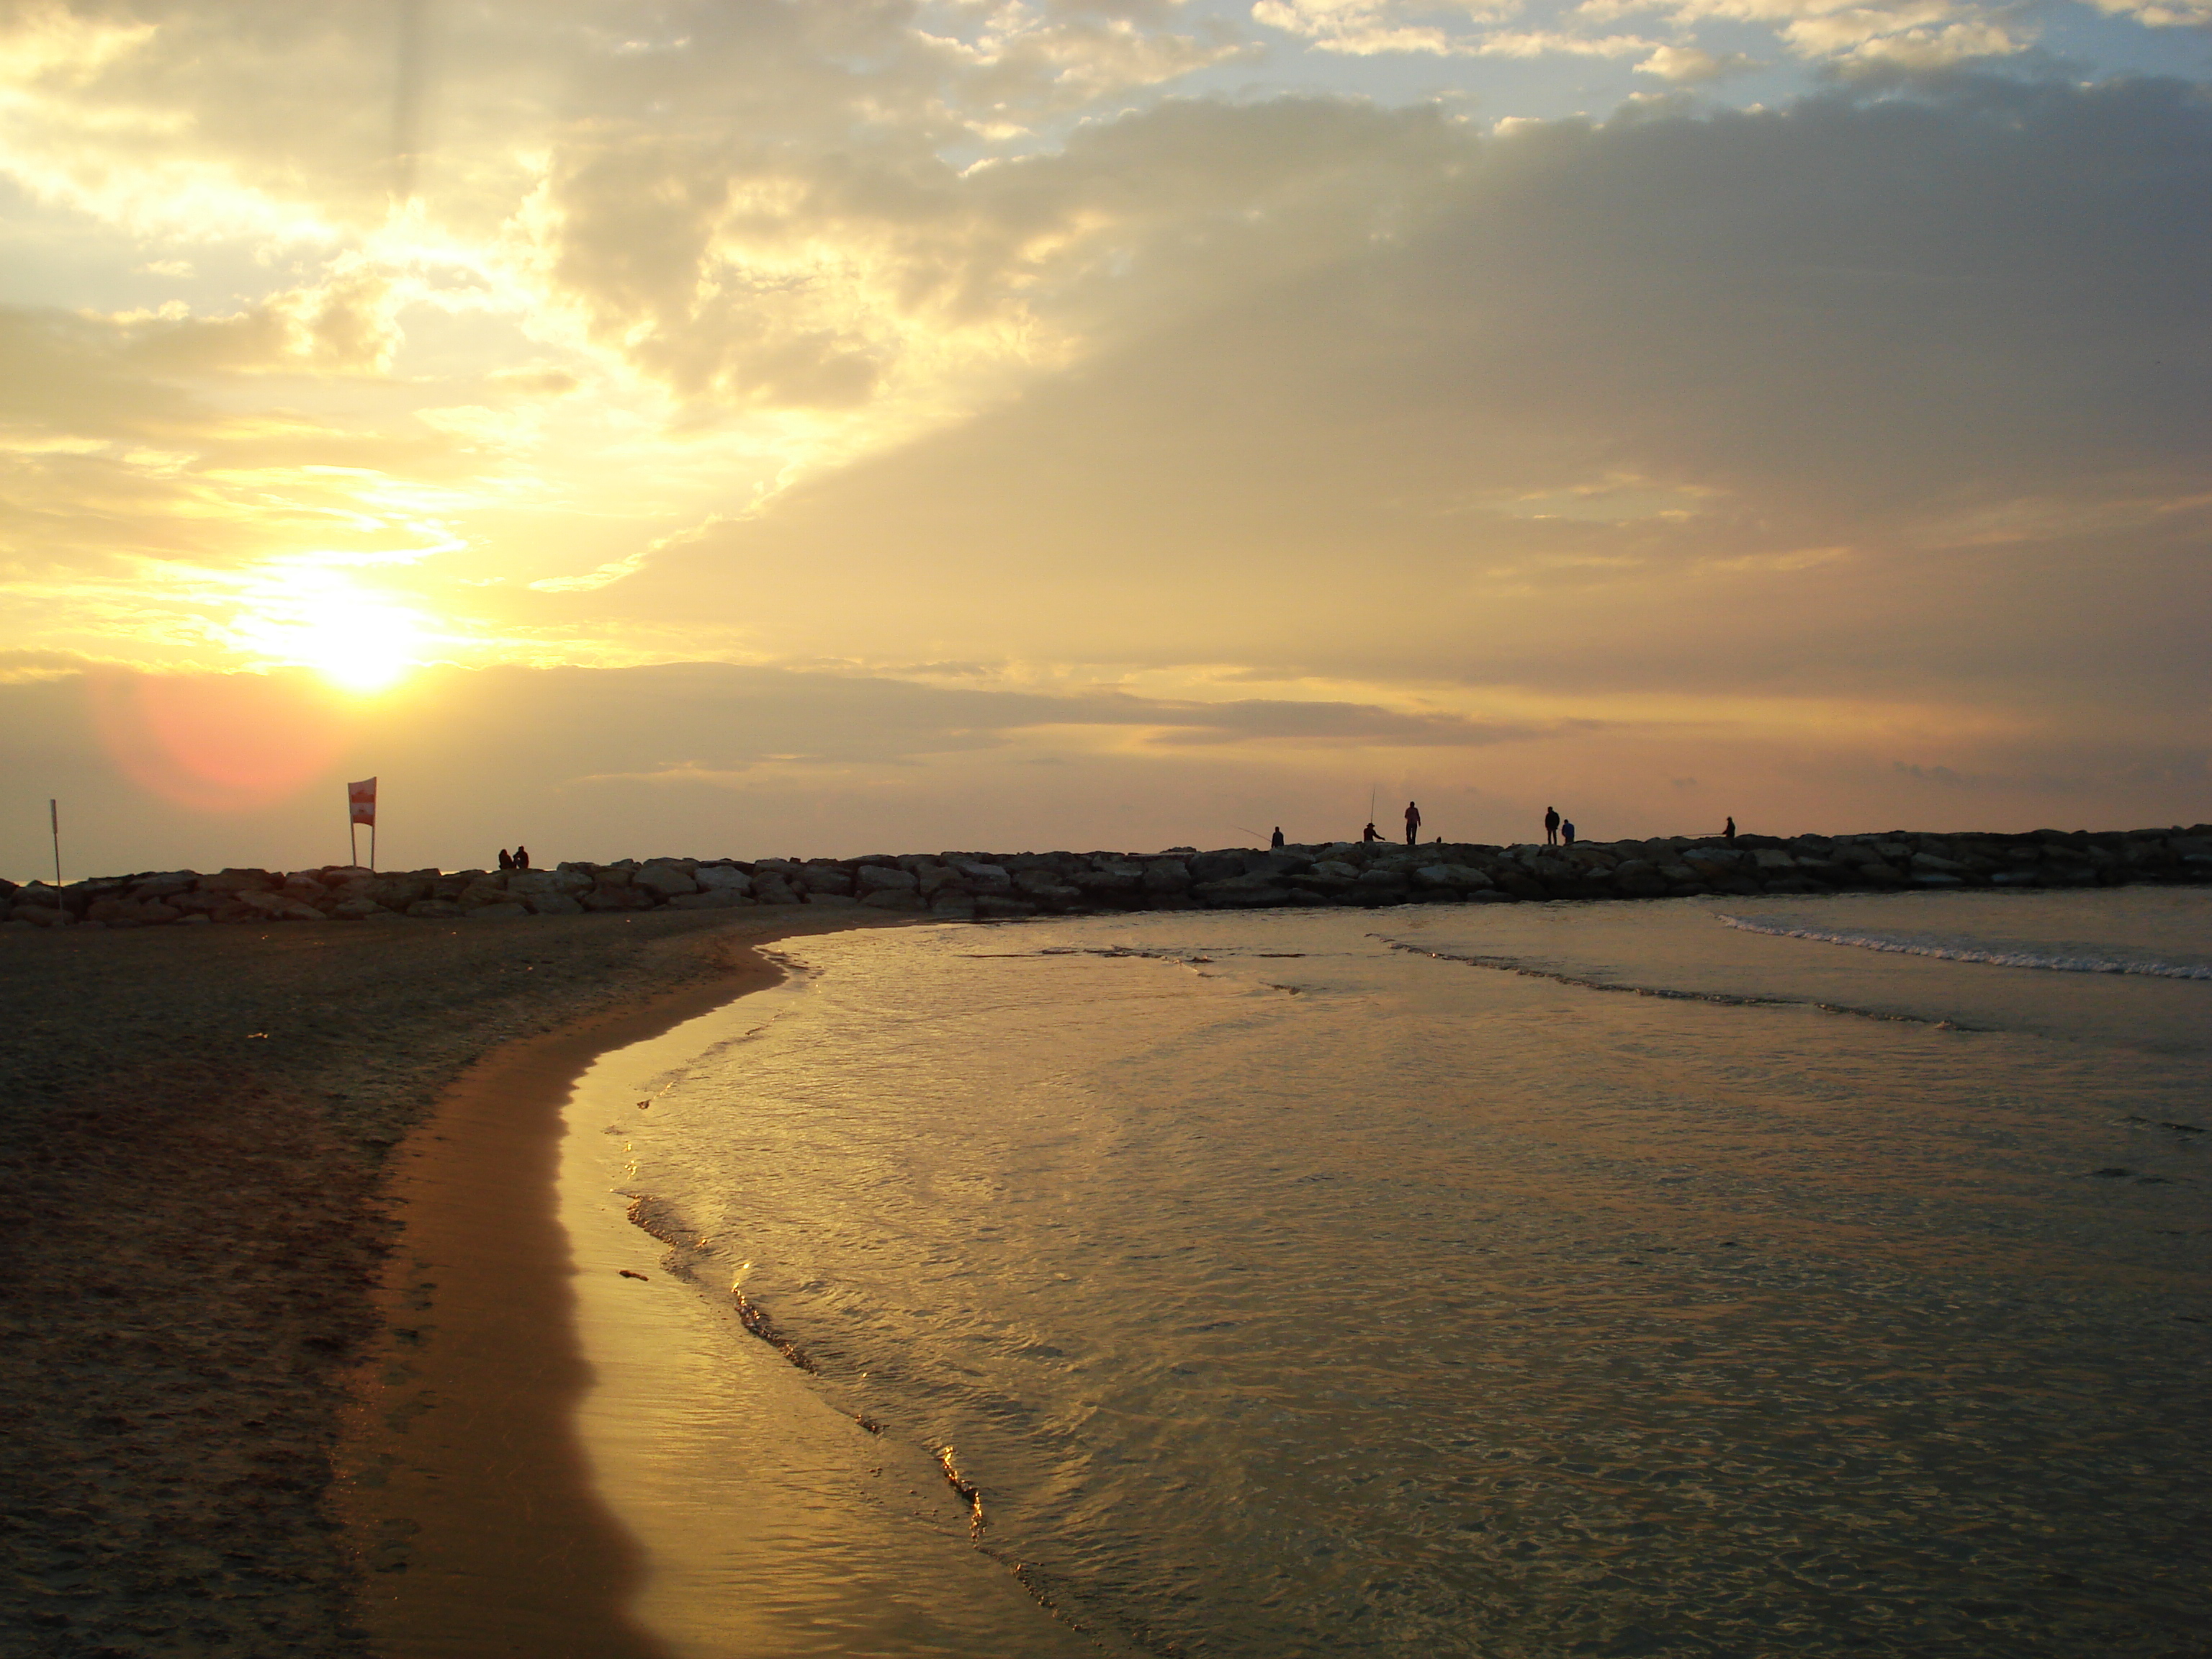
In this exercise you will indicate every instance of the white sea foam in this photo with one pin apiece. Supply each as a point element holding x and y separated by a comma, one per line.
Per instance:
<point>2010,953</point>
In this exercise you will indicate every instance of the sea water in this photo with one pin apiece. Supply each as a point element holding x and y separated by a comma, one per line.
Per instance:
<point>1721,1277</point>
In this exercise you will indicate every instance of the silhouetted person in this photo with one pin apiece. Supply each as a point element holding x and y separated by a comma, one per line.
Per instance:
<point>1371,833</point>
<point>1567,831</point>
<point>1412,823</point>
<point>1551,826</point>
<point>1275,840</point>
<point>506,859</point>
<point>1729,833</point>
<point>522,856</point>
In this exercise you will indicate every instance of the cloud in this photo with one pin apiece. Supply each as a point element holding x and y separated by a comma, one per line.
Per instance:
<point>1859,322</point>
<point>1048,335</point>
<point>2159,14</point>
<point>1692,66</point>
<point>1925,33</point>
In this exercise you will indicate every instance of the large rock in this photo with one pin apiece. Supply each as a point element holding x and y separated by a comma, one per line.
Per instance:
<point>987,880</point>
<point>1224,865</point>
<point>1244,893</point>
<point>1044,887</point>
<point>1111,883</point>
<point>838,882</point>
<point>555,904</point>
<point>770,888</point>
<point>165,886</point>
<point>606,894</point>
<point>276,907</point>
<point>1457,877</point>
<point>1384,886</point>
<point>236,881</point>
<point>723,878</point>
<point>873,878</point>
<point>664,879</point>
<point>1166,876</point>
<point>892,898</point>
<point>497,912</point>
<point>1638,878</point>
<point>712,899</point>
<point>527,885</point>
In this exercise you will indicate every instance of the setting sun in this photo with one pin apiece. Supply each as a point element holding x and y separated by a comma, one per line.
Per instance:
<point>357,643</point>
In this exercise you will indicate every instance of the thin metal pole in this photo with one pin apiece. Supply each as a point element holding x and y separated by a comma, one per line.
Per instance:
<point>371,846</point>
<point>54,822</point>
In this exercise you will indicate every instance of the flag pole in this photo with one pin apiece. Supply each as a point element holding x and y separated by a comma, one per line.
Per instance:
<point>54,823</point>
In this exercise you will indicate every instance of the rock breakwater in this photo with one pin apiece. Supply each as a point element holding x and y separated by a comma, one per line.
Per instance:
<point>1003,886</point>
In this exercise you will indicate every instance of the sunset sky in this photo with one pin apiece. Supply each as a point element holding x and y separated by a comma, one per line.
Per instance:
<point>750,428</point>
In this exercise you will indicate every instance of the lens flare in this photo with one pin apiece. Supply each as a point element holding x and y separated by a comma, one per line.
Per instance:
<point>220,743</point>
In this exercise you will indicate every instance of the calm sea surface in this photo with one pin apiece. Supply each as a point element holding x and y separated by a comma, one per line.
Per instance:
<point>1405,1282</point>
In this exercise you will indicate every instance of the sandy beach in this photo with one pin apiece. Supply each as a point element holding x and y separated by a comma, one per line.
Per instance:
<point>206,1159</point>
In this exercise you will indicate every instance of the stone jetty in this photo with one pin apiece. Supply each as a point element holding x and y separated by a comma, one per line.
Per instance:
<point>1004,886</point>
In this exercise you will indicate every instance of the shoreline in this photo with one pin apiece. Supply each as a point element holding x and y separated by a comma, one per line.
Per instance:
<point>196,1135</point>
<point>511,1377</point>
<point>461,1434</point>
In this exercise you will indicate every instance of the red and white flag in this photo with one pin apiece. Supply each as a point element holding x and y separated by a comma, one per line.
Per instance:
<point>362,797</point>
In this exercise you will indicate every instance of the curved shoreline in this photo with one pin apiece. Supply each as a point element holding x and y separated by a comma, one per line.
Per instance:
<point>463,1481</point>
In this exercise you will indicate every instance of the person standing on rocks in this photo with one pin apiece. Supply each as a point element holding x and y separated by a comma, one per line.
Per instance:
<point>1275,840</point>
<point>1729,833</point>
<point>1412,822</point>
<point>1551,826</point>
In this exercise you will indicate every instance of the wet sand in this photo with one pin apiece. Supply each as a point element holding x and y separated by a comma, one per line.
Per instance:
<point>195,1149</point>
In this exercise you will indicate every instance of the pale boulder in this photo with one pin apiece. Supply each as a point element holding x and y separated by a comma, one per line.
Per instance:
<point>664,879</point>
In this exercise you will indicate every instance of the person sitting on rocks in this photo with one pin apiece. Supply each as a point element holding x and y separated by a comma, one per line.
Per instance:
<point>506,859</point>
<point>1567,832</point>
<point>1551,826</point>
<point>522,856</point>
<point>1412,822</point>
<point>1371,833</point>
<point>1275,840</point>
<point>1729,833</point>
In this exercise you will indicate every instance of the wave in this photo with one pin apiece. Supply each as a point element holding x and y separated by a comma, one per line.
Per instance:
<point>2056,958</point>
<point>1727,998</point>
